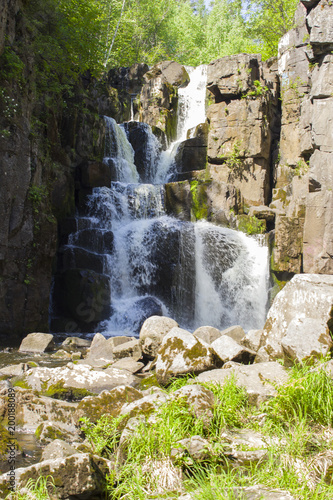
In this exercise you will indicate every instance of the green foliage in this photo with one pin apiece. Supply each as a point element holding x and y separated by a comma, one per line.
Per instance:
<point>308,396</point>
<point>36,195</point>
<point>301,168</point>
<point>268,22</point>
<point>104,435</point>
<point>199,206</point>
<point>41,489</point>
<point>259,90</point>
<point>250,224</point>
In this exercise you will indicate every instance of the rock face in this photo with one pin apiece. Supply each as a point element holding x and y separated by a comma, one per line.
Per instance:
<point>299,324</point>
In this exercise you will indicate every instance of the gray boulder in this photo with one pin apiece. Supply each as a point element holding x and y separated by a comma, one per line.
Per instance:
<point>37,342</point>
<point>300,319</point>
<point>207,333</point>
<point>181,353</point>
<point>235,332</point>
<point>152,332</point>
<point>128,349</point>
<point>228,349</point>
<point>257,379</point>
<point>199,399</point>
<point>128,364</point>
<point>57,449</point>
<point>252,340</point>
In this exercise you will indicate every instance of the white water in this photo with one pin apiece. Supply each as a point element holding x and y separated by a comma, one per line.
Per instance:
<point>191,112</point>
<point>199,274</point>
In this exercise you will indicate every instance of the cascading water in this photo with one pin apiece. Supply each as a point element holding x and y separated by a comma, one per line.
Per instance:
<point>197,273</point>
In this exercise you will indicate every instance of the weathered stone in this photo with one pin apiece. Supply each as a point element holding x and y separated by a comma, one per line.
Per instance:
<point>257,379</point>
<point>143,406</point>
<point>181,353</point>
<point>263,212</point>
<point>232,75</point>
<point>303,342</point>
<point>61,354</point>
<point>101,350</point>
<point>76,379</point>
<point>37,342</point>
<point>228,349</point>
<point>260,492</point>
<point>235,332</point>
<point>306,298</point>
<point>322,78</point>
<point>74,342</point>
<point>174,73</point>
<point>14,370</point>
<point>57,449</point>
<point>287,252</point>
<point>207,333</point>
<point>81,475</point>
<point>252,340</point>
<point>128,349</point>
<point>48,431</point>
<point>198,448</point>
<point>128,364</point>
<point>199,399</point>
<point>321,27</point>
<point>152,332</point>
<point>107,402</point>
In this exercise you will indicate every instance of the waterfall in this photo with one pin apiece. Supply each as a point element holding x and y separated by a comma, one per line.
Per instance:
<point>197,273</point>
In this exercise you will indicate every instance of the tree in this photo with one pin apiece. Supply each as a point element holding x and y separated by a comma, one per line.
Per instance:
<point>269,21</point>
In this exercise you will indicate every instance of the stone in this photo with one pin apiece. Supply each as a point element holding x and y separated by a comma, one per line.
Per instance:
<point>244,438</point>
<point>322,78</point>
<point>181,353</point>
<point>14,370</point>
<point>143,406</point>
<point>47,432</point>
<point>37,343</point>
<point>107,402</point>
<point>198,448</point>
<point>260,492</point>
<point>128,349</point>
<point>191,155</point>
<point>81,475</point>
<point>302,341</point>
<point>321,27</point>
<point>263,212</point>
<point>252,340</point>
<point>174,73</point>
<point>230,76</point>
<point>307,298</point>
<point>257,379</point>
<point>207,333</point>
<point>94,174</point>
<point>76,380</point>
<point>199,399</point>
<point>152,332</point>
<point>287,252</point>
<point>128,364</point>
<point>57,449</point>
<point>76,342</point>
<point>101,350</point>
<point>235,332</point>
<point>228,349</point>
<point>61,354</point>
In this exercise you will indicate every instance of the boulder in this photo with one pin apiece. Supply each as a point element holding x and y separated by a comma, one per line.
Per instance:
<point>14,370</point>
<point>199,399</point>
<point>57,449</point>
<point>94,174</point>
<point>128,349</point>
<point>107,402</point>
<point>302,309</point>
<point>252,340</point>
<point>321,28</point>
<point>76,381</point>
<point>76,342</point>
<point>174,73</point>
<point>198,448</point>
<point>48,431</point>
<point>228,349</point>
<point>37,343</point>
<point>230,76</point>
<point>207,333</point>
<point>152,332</point>
<point>181,353</point>
<point>80,475</point>
<point>235,332</point>
<point>143,406</point>
<point>101,351</point>
<point>257,379</point>
<point>128,364</point>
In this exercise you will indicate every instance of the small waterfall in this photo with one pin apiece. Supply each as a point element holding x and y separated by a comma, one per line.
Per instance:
<point>191,112</point>
<point>119,153</point>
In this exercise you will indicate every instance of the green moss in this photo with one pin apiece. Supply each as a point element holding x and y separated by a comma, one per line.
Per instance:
<point>199,206</point>
<point>250,224</point>
<point>148,382</point>
<point>20,382</point>
<point>58,391</point>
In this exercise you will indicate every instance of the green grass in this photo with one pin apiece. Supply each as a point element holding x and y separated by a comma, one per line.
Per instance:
<point>42,489</point>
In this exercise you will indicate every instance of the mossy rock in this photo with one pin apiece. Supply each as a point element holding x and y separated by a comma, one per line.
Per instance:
<point>250,224</point>
<point>5,439</point>
<point>58,391</point>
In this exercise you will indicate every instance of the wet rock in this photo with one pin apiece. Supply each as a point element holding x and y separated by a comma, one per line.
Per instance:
<point>37,343</point>
<point>81,475</point>
<point>57,449</point>
<point>256,379</point>
<point>207,333</point>
<point>229,350</point>
<point>181,353</point>
<point>302,308</point>
<point>152,332</point>
<point>107,402</point>
<point>94,174</point>
<point>128,349</point>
